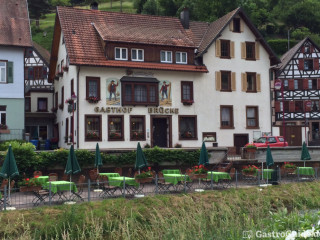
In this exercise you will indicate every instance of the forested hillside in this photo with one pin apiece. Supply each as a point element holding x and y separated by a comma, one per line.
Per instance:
<point>274,18</point>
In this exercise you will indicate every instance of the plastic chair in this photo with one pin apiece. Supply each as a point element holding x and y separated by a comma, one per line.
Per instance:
<point>108,190</point>
<point>93,175</point>
<point>118,170</point>
<point>4,183</point>
<point>53,178</point>
<point>80,183</point>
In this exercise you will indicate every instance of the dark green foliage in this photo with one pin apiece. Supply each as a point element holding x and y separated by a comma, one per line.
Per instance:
<point>280,46</point>
<point>37,8</point>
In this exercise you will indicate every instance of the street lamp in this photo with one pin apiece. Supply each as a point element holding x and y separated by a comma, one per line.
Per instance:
<point>280,85</point>
<point>74,99</point>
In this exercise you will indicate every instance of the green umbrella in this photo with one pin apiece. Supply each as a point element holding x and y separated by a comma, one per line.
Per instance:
<point>97,159</point>
<point>203,159</point>
<point>269,159</point>
<point>72,166</point>
<point>305,153</point>
<point>9,168</point>
<point>141,161</point>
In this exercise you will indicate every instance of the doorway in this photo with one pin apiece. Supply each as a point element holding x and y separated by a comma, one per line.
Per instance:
<point>239,141</point>
<point>161,131</point>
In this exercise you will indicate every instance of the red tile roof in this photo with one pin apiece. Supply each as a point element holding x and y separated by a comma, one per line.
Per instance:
<point>14,23</point>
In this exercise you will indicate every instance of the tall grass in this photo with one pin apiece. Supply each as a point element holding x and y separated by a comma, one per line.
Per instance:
<point>208,215</point>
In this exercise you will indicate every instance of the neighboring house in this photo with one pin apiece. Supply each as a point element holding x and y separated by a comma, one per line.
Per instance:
<point>297,99</point>
<point>39,110</point>
<point>159,80</point>
<point>14,38</point>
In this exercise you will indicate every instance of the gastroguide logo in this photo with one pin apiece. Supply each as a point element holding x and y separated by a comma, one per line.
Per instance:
<point>287,235</point>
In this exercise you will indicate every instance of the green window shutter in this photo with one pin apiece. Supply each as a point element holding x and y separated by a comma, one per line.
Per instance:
<point>10,72</point>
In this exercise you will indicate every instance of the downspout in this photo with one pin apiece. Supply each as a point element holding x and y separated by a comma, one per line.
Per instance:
<point>78,73</point>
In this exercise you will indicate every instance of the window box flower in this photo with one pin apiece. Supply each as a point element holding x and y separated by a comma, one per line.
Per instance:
<point>137,135</point>
<point>92,99</point>
<point>65,68</point>
<point>4,129</point>
<point>250,170</point>
<point>115,135</point>
<point>289,167</point>
<point>3,126</point>
<point>197,172</point>
<point>144,176</point>
<point>251,148</point>
<point>187,102</point>
<point>187,134</point>
<point>61,106</point>
<point>29,185</point>
<point>92,135</point>
<point>69,101</point>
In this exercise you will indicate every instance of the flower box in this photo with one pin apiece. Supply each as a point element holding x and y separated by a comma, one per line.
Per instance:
<point>92,99</point>
<point>66,68</point>
<point>30,189</point>
<point>251,149</point>
<point>197,176</point>
<point>60,74</point>
<point>61,106</point>
<point>188,102</point>
<point>144,180</point>
<point>4,131</point>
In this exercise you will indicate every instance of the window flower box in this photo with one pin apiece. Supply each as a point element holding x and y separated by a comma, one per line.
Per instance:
<point>92,136</point>
<point>251,148</point>
<point>137,135</point>
<point>187,134</point>
<point>30,189</point>
<point>4,131</point>
<point>187,102</point>
<point>69,101</point>
<point>92,99</point>
<point>65,68</point>
<point>115,135</point>
<point>61,106</point>
<point>144,176</point>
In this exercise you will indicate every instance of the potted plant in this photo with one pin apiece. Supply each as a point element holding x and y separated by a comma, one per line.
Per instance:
<point>251,148</point>
<point>187,134</point>
<point>4,128</point>
<point>29,185</point>
<point>115,135</point>
<point>137,135</point>
<point>92,135</point>
<point>289,167</point>
<point>93,99</point>
<point>250,170</point>
<point>198,172</point>
<point>144,176</point>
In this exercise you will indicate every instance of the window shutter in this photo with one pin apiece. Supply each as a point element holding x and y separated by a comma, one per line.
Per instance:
<point>30,73</point>
<point>241,25</point>
<point>291,84</point>
<point>302,49</point>
<point>243,50</point>
<point>231,26</point>
<point>233,81</point>
<point>44,72</point>
<point>218,48</point>
<point>232,49</point>
<point>311,49</point>
<point>318,83</point>
<point>305,84</point>
<point>218,81</point>
<point>10,72</point>
<point>277,106</point>
<point>301,64</point>
<point>244,82</point>
<point>316,64</point>
<point>257,51</point>
<point>292,107</point>
<point>258,82</point>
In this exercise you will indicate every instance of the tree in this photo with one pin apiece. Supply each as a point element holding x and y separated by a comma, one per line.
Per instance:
<point>168,7</point>
<point>150,7</point>
<point>138,4</point>
<point>37,8</point>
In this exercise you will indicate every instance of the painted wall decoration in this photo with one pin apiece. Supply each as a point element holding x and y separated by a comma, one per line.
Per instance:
<point>165,93</point>
<point>113,91</point>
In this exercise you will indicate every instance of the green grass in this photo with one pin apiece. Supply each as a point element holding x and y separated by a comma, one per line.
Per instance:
<point>209,215</point>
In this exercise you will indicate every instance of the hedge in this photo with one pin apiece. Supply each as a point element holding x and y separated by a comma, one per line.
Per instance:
<point>28,160</point>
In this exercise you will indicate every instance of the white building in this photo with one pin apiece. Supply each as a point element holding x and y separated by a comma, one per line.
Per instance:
<point>160,80</point>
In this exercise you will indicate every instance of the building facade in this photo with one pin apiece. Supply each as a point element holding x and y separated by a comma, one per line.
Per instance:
<point>158,80</point>
<point>297,85</point>
<point>14,38</point>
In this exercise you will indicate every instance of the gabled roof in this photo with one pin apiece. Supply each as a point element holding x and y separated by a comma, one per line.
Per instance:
<point>14,23</point>
<point>286,58</point>
<point>43,53</point>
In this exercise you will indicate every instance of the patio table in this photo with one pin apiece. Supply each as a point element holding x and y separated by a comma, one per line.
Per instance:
<point>60,186</point>
<point>216,176</point>
<point>267,173</point>
<point>110,174</point>
<point>175,178</point>
<point>118,181</point>
<point>43,179</point>
<point>171,171</point>
<point>305,171</point>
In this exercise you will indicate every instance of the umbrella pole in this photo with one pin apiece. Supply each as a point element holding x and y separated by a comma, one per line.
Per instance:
<point>70,187</point>
<point>262,172</point>
<point>304,164</point>
<point>9,193</point>
<point>267,174</point>
<point>98,177</point>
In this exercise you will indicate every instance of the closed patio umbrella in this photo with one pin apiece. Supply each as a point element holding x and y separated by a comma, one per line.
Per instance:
<point>72,166</point>
<point>203,159</point>
<point>97,159</point>
<point>9,168</point>
<point>269,161</point>
<point>141,160</point>
<point>305,156</point>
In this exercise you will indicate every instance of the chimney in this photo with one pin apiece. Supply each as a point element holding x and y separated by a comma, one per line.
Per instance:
<point>184,18</point>
<point>94,6</point>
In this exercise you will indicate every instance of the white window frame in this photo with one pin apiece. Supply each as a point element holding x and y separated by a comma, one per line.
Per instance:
<point>121,57</point>
<point>137,51</point>
<point>166,56</point>
<point>181,54</point>
<point>5,72</point>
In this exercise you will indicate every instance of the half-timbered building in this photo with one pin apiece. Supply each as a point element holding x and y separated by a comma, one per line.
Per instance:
<point>297,90</point>
<point>159,80</point>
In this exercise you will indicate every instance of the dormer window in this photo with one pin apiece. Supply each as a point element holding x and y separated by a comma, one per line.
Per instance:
<point>181,57</point>
<point>236,25</point>
<point>137,54</point>
<point>166,56</point>
<point>307,49</point>
<point>121,54</point>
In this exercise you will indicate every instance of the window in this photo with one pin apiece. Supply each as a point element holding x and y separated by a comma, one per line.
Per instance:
<point>315,106</point>
<point>312,84</point>
<point>71,87</point>
<point>308,64</point>
<point>62,97</point>
<point>93,87</point>
<point>286,106</point>
<point>56,104</point>
<point>137,54</point>
<point>137,128</point>
<point>42,104</point>
<point>43,132</point>
<point>251,82</point>
<point>236,25</point>
<point>135,93</point>
<point>58,68</point>
<point>298,106</point>
<point>286,84</point>
<point>298,84</point>
<point>115,128</point>
<point>187,92</point>
<point>252,117</point>
<point>307,49</point>
<point>250,50</point>
<point>121,53</point>
<point>226,116</point>
<point>3,72</point>
<point>27,104</point>
<point>93,127</point>
<point>225,81</point>
<point>188,128</point>
<point>3,115</point>
<point>181,57</point>
<point>66,134</point>
<point>225,48</point>
<point>166,56</point>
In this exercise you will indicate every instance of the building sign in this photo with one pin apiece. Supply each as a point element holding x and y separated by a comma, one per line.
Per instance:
<point>151,110</point>
<point>113,91</point>
<point>165,93</point>
<point>161,110</point>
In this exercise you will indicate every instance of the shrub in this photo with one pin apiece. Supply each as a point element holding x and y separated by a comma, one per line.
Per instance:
<point>280,46</point>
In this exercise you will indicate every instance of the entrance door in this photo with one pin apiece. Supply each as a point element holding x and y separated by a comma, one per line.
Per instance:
<point>315,131</point>
<point>293,135</point>
<point>239,141</point>
<point>161,131</point>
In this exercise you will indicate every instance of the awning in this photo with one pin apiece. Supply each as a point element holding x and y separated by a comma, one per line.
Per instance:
<point>139,79</point>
